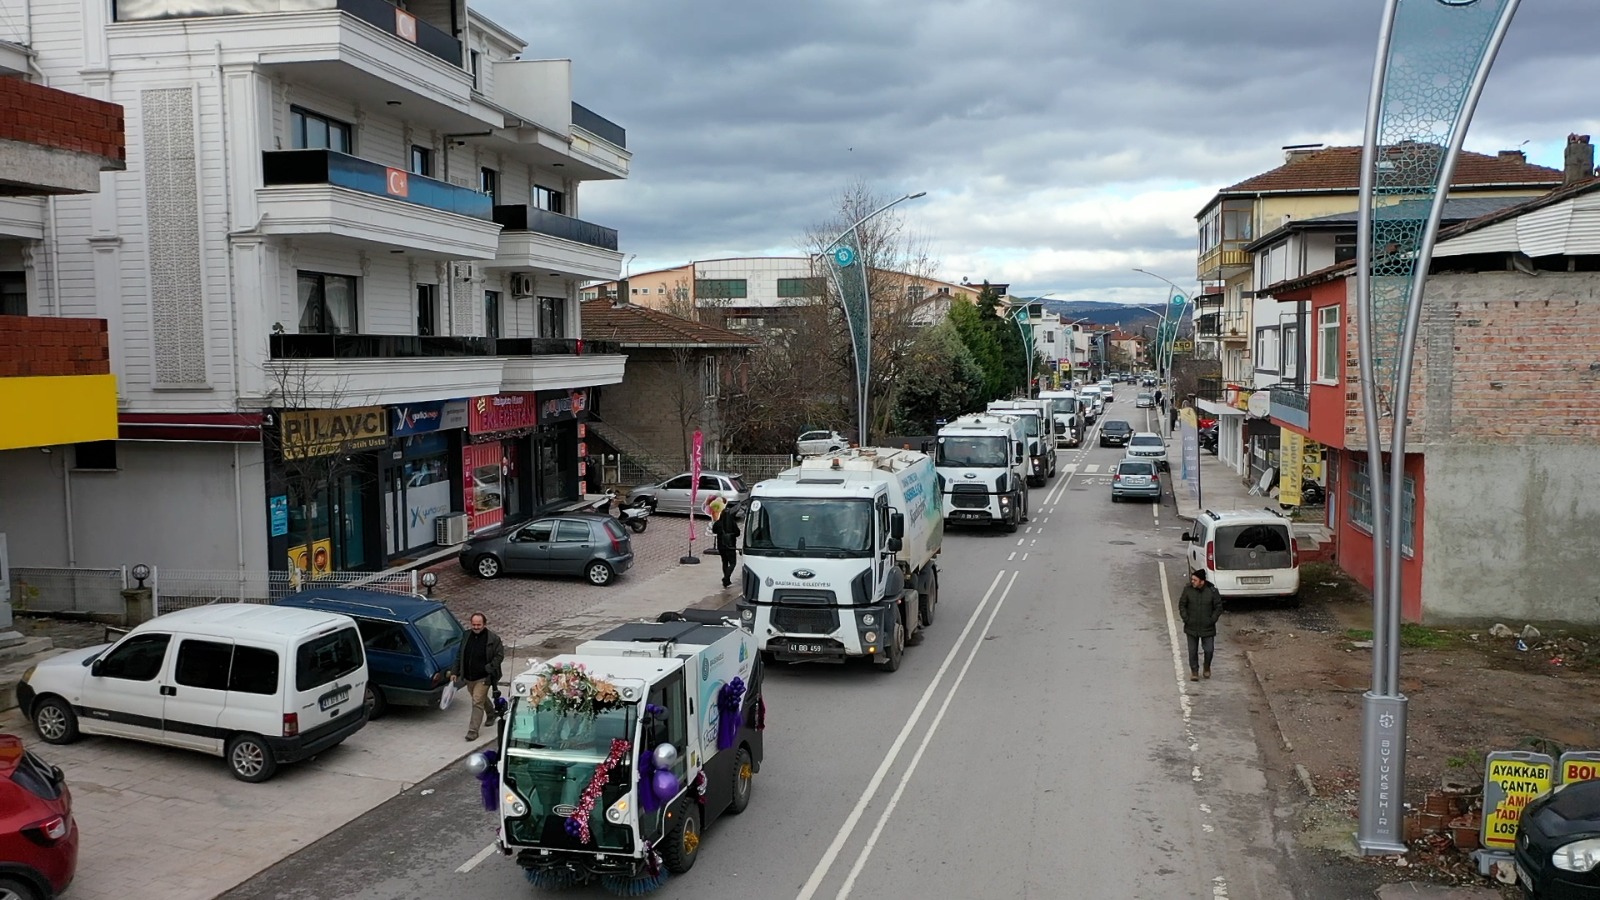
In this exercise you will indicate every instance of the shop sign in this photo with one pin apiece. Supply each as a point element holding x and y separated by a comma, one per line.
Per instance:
<point>321,432</point>
<point>416,418</point>
<point>1511,779</point>
<point>1242,399</point>
<point>314,560</point>
<point>453,415</point>
<point>560,406</point>
<point>1579,765</point>
<point>502,412</point>
<point>279,508</point>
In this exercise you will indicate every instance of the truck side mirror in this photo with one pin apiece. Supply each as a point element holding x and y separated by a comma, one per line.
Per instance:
<point>897,525</point>
<point>894,545</point>
<point>1019,451</point>
<point>927,446</point>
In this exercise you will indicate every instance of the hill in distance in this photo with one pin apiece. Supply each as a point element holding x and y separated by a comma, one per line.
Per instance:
<point>1129,318</point>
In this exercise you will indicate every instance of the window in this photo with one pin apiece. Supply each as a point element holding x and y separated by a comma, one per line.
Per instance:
<point>1049,337</point>
<point>255,671</point>
<point>915,292</point>
<point>427,309</point>
<point>1344,247</point>
<point>553,317</point>
<point>491,314</point>
<point>311,131</point>
<point>389,637</point>
<point>1330,354</point>
<point>327,303</point>
<point>539,532</point>
<point>547,199</point>
<point>1267,349</point>
<point>709,377</point>
<point>572,532</point>
<point>1290,343</point>
<point>1361,506</point>
<point>724,288</point>
<point>709,484</point>
<point>204,664</point>
<point>474,60</point>
<point>787,287</point>
<point>422,161</point>
<point>681,483</point>
<point>101,455</point>
<point>138,658</point>
<point>13,293</point>
<point>489,183</point>
<point>327,658</point>
<point>439,630</point>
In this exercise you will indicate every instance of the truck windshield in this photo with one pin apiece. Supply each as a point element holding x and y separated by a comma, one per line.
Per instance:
<point>551,757</point>
<point>1030,425</point>
<point>795,526</point>
<point>971,451</point>
<point>1063,406</point>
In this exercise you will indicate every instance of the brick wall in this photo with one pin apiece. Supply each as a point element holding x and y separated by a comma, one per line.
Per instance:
<point>43,346</point>
<point>645,405</point>
<point>34,114</point>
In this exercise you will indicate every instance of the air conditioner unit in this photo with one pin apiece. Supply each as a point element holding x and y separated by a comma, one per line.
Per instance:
<point>450,530</point>
<point>521,284</point>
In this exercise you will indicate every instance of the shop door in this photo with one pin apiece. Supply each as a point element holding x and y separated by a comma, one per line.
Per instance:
<point>354,554</point>
<point>515,453</point>
<point>394,511</point>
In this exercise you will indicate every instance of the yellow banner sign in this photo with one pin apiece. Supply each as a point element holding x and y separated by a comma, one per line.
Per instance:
<point>321,432</point>
<point>1518,782</point>
<point>1291,447</point>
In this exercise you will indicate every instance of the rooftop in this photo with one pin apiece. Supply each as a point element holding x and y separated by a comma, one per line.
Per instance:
<point>1338,169</point>
<point>639,326</point>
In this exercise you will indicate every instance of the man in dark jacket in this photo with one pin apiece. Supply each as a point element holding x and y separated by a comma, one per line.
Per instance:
<point>482,654</point>
<point>1200,606</point>
<point>726,528</point>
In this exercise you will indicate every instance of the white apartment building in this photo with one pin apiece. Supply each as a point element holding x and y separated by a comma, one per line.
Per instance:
<point>340,275</point>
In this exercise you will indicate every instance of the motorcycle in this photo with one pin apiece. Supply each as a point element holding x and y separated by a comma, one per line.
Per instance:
<point>1207,438</point>
<point>635,516</point>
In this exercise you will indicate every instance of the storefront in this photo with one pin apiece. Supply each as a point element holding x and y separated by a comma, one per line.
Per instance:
<point>421,473</point>
<point>560,445</point>
<point>495,459</point>
<point>323,482</point>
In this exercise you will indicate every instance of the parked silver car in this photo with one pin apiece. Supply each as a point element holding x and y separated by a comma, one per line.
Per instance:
<point>672,495</point>
<point>816,443</point>
<point>1135,478</point>
<point>587,544</point>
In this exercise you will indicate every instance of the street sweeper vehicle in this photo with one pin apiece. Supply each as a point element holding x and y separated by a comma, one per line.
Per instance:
<point>839,557</point>
<point>614,759</point>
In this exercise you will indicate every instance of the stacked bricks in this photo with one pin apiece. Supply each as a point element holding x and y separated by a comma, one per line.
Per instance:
<point>43,346</point>
<point>34,114</point>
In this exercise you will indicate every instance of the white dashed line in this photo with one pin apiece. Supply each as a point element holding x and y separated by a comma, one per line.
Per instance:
<point>1091,468</point>
<point>1012,556</point>
<point>1020,540</point>
<point>472,863</point>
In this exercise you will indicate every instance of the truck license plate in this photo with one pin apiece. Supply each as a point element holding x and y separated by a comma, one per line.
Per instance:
<point>805,648</point>
<point>333,698</point>
<point>971,515</point>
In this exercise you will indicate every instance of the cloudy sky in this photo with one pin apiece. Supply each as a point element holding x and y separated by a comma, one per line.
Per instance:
<point>1061,142</point>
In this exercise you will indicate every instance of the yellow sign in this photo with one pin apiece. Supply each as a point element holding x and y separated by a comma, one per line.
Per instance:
<point>1291,448</point>
<point>58,409</point>
<point>321,432</point>
<point>1519,781</point>
<point>1183,346</point>
<point>1579,770</point>
<point>315,561</point>
<point>1241,399</point>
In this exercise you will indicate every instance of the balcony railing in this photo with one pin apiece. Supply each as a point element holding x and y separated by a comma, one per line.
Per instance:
<point>1234,326</point>
<point>1291,405</point>
<point>1206,300</point>
<point>282,167</point>
<point>540,221</point>
<point>380,13</point>
<point>410,346</point>
<point>598,125</point>
<point>1209,325</point>
<point>1229,255</point>
<point>1211,389</point>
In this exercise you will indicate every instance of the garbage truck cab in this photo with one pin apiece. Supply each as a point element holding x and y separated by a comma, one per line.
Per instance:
<point>1066,410</point>
<point>1037,432</point>
<point>982,462</point>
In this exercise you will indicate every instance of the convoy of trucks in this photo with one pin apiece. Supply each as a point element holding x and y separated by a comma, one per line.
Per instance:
<point>981,461</point>
<point>1037,430</point>
<point>1066,409</point>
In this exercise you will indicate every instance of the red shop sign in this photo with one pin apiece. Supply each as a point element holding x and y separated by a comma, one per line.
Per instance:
<point>502,412</point>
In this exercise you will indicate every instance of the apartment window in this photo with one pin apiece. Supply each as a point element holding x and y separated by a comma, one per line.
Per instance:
<point>1267,349</point>
<point>1361,506</point>
<point>327,303</point>
<point>13,293</point>
<point>551,200</point>
<point>1290,344</point>
<point>489,183</point>
<point>709,378</point>
<point>427,309</point>
<point>1049,337</point>
<point>915,292</point>
<point>1329,353</point>
<point>727,288</point>
<point>491,313</point>
<point>100,455</point>
<point>473,62</point>
<point>1344,247</point>
<point>793,287</point>
<point>422,161</point>
<point>553,317</point>
<point>314,131</point>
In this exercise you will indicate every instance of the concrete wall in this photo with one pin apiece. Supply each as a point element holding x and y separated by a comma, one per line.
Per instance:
<point>168,504</point>
<point>1511,532</point>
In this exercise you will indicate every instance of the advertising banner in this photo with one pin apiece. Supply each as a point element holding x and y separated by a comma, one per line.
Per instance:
<point>1511,778</point>
<point>694,484</point>
<point>481,468</point>
<point>1291,449</point>
<point>502,412</point>
<point>562,406</point>
<point>1579,765</point>
<point>416,418</point>
<point>1189,437</point>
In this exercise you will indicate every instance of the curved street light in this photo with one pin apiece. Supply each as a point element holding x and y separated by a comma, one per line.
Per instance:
<point>1027,338</point>
<point>1170,342</point>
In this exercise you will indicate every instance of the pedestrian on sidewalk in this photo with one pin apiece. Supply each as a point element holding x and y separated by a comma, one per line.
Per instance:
<point>1200,606</point>
<point>481,657</point>
<point>726,528</point>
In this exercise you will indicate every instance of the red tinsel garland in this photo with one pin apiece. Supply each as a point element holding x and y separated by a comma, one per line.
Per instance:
<point>602,774</point>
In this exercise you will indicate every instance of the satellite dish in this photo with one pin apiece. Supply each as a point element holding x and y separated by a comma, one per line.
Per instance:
<point>1267,479</point>
<point>1260,405</point>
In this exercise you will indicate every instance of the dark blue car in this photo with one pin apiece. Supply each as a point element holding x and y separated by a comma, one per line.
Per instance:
<point>411,642</point>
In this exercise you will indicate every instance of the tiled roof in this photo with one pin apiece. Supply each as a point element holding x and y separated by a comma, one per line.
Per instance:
<point>1339,169</point>
<point>639,326</point>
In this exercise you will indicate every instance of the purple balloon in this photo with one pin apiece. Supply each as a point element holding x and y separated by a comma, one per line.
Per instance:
<point>665,784</point>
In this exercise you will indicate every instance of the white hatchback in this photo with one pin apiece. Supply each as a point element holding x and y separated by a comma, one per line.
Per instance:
<point>1246,554</point>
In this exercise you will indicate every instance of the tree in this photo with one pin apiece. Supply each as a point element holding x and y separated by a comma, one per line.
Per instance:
<point>941,379</point>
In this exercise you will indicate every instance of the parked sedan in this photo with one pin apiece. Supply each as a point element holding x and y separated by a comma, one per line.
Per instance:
<point>38,837</point>
<point>1135,478</point>
<point>586,544</point>
<point>672,495</point>
<point>1115,433</point>
<point>816,443</point>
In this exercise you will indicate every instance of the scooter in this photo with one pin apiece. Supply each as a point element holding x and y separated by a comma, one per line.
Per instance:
<point>637,516</point>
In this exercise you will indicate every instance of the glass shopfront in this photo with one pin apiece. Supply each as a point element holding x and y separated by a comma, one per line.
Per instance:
<point>557,446</point>
<point>494,460</point>
<point>419,483</point>
<point>323,477</point>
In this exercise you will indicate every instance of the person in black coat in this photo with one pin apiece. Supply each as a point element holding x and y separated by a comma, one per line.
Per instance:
<point>1200,606</point>
<point>726,528</point>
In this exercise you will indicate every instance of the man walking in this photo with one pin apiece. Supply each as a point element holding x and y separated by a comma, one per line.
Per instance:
<point>1200,606</point>
<point>481,657</point>
<point>726,528</point>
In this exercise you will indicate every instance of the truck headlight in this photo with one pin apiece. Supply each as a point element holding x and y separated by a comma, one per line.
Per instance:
<point>748,614</point>
<point>1578,856</point>
<point>1005,501</point>
<point>511,802</point>
<point>871,637</point>
<point>868,619</point>
<point>618,812</point>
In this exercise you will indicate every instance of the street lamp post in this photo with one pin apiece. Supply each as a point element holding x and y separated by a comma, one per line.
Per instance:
<point>1025,330</point>
<point>1169,336</point>
<point>842,257</point>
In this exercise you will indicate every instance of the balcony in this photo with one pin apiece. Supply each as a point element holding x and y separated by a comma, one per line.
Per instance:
<point>1234,325</point>
<point>56,142</point>
<point>407,368</point>
<point>56,385</point>
<point>1223,261</point>
<point>545,127</point>
<point>355,201</point>
<point>1291,405</point>
<point>536,239</point>
<point>598,125</point>
<point>1211,390</point>
<point>1208,326</point>
<point>22,217</point>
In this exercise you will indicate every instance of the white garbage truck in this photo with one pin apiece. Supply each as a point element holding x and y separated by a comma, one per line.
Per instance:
<point>982,461</point>
<point>839,557</point>
<point>615,758</point>
<point>1037,432</point>
<point>1067,411</point>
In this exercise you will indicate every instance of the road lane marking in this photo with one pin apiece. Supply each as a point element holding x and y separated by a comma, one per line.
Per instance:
<point>1029,531</point>
<point>1177,664</point>
<point>472,863</point>
<point>1091,468</point>
<point>809,889</point>
<point>1012,556</point>
<point>1024,557</point>
<point>1020,540</point>
<point>911,768</point>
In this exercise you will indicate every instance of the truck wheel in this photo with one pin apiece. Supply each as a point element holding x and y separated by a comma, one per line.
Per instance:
<point>683,841</point>
<point>927,602</point>
<point>744,777</point>
<point>896,649</point>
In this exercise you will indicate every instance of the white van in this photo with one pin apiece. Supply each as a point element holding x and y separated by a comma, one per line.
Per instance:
<point>258,685</point>
<point>1246,554</point>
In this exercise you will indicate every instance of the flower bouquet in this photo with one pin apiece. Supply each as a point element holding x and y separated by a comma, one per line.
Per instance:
<point>569,689</point>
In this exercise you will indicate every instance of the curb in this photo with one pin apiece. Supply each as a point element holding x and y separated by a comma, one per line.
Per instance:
<point>1300,771</point>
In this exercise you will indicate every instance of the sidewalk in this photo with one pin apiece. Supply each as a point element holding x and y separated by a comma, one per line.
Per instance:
<point>216,832</point>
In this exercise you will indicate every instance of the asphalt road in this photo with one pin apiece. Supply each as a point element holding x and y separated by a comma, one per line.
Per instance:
<point>1038,744</point>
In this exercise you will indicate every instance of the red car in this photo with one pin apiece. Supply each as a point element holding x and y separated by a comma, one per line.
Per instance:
<point>38,838</point>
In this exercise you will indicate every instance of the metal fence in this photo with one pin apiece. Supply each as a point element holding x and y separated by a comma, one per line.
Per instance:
<point>68,590</point>
<point>752,467</point>
<point>184,588</point>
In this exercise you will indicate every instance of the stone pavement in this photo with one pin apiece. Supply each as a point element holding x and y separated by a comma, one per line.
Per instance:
<point>172,824</point>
